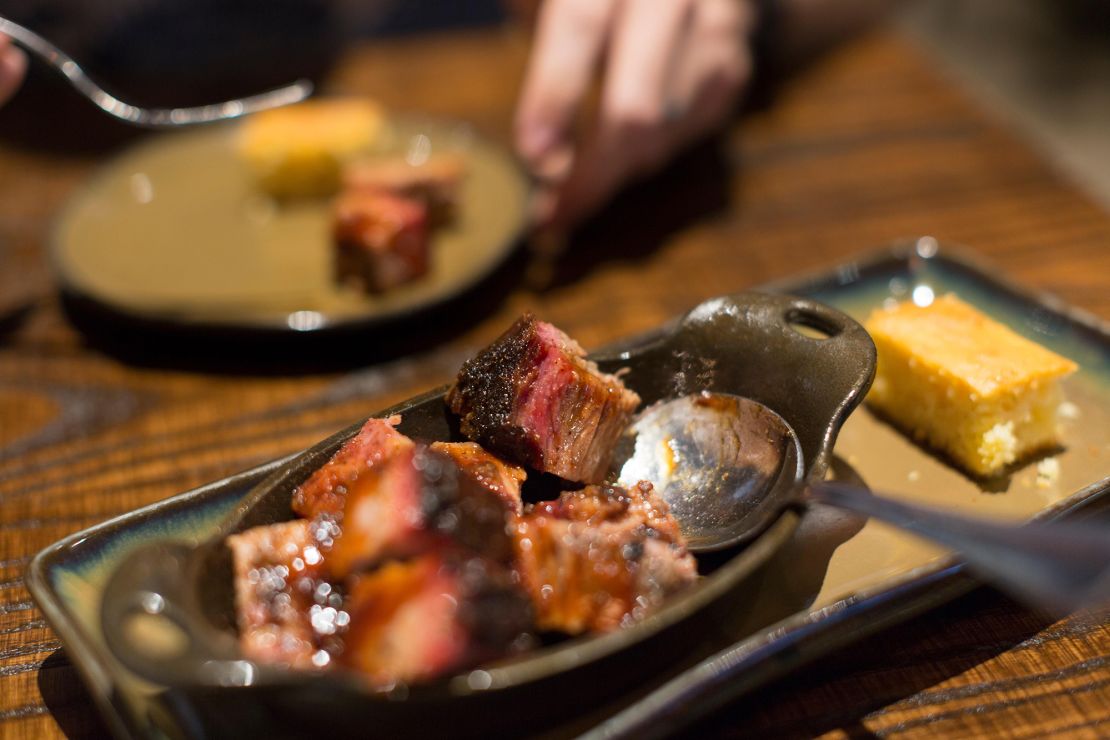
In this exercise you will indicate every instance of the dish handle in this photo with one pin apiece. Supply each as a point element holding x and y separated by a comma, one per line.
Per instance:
<point>145,618</point>
<point>808,362</point>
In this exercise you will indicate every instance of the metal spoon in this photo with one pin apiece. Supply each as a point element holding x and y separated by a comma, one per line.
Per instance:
<point>149,117</point>
<point>726,465</point>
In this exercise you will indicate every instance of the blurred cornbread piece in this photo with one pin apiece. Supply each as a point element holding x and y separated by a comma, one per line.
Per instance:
<point>435,180</point>
<point>964,384</point>
<point>381,240</point>
<point>299,150</point>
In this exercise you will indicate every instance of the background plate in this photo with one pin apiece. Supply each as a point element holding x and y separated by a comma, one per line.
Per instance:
<point>839,579</point>
<point>174,230</point>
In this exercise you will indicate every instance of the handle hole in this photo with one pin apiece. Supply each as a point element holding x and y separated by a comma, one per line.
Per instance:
<point>811,325</point>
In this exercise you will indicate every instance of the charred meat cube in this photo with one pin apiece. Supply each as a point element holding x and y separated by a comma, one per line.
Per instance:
<point>532,397</point>
<point>600,558</point>
<point>381,240</point>
<point>597,505</point>
<point>501,478</point>
<point>325,491</point>
<point>435,182</point>
<point>278,593</point>
<point>417,619</point>
<point>413,501</point>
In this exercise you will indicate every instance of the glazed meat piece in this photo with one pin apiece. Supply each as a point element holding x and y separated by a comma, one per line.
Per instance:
<point>532,397</point>
<point>415,500</point>
<point>381,240</point>
<point>417,619</point>
<point>325,491</point>
<point>278,592</point>
<point>600,558</point>
<point>435,182</point>
<point>501,478</point>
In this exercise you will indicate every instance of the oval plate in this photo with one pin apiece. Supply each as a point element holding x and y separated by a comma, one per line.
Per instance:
<point>174,232</point>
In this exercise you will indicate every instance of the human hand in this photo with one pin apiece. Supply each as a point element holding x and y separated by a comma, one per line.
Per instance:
<point>671,73</point>
<point>13,65</point>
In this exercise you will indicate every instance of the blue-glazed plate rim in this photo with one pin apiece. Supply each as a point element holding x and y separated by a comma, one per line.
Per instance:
<point>741,667</point>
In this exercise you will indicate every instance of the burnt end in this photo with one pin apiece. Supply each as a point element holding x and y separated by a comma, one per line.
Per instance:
<point>500,478</point>
<point>440,612</point>
<point>596,505</point>
<point>600,558</point>
<point>381,516</point>
<point>325,491</point>
<point>381,240</point>
<point>532,397</point>
<point>486,392</point>
<point>278,585</point>
<point>459,506</point>
<point>416,500</point>
<point>435,183</point>
<point>497,613</point>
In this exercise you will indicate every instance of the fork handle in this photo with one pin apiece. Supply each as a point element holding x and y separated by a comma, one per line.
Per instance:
<point>148,117</point>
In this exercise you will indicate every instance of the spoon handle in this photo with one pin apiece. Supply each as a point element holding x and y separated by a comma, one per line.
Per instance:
<point>1061,566</point>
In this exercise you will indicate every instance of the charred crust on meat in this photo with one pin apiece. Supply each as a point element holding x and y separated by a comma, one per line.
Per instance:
<point>533,397</point>
<point>486,389</point>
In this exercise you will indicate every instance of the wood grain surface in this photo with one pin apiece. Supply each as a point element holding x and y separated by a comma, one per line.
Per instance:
<point>868,145</point>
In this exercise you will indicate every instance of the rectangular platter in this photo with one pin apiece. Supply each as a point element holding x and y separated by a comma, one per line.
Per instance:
<point>838,580</point>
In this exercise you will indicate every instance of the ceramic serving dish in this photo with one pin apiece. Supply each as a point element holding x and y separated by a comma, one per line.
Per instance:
<point>746,344</point>
<point>835,579</point>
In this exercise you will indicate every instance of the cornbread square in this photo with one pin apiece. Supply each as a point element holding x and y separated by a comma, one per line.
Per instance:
<point>299,150</point>
<point>965,384</point>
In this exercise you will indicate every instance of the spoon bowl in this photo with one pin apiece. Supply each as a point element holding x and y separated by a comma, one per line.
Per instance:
<point>725,465</point>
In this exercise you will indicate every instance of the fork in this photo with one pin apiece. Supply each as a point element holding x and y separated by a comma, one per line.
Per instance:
<point>149,117</point>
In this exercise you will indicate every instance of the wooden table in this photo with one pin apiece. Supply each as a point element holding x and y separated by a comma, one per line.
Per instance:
<point>868,145</point>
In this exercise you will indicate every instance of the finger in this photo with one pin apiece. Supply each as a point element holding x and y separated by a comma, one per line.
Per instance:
<point>645,47</point>
<point>595,176</point>
<point>628,136</point>
<point>569,40</point>
<point>714,65</point>
<point>13,65</point>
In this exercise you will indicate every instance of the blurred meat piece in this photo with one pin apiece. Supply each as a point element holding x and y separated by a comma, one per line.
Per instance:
<point>601,558</point>
<point>501,478</point>
<point>277,588</point>
<point>532,397</point>
<point>418,619</point>
<point>381,240</point>
<point>435,182</point>
<point>417,499</point>
<point>325,491</point>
